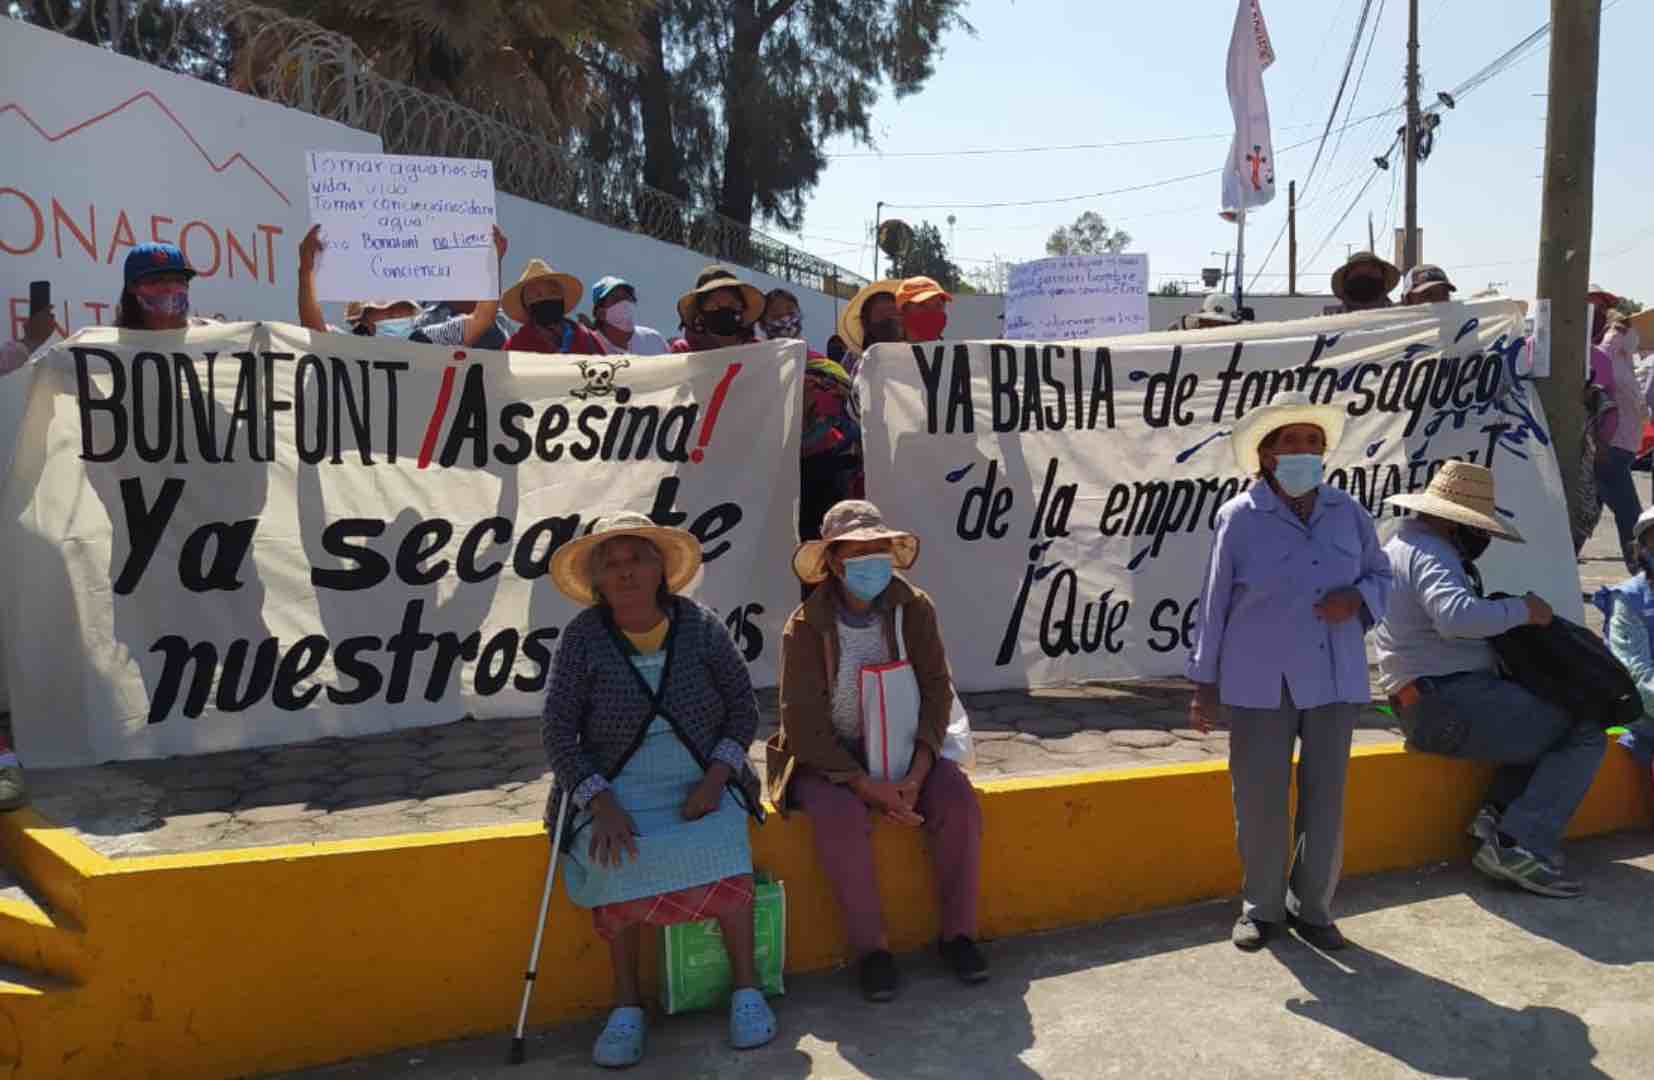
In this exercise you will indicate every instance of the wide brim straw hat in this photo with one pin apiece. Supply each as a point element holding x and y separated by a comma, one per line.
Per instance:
<point>571,566</point>
<point>752,300</point>
<point>355,310</point>
<point>1463,493</point>
<point>1286,409</point>
<point>1392,276</point>
<point>852,521</point>
<point>850,326</point>
<point>537,270</point>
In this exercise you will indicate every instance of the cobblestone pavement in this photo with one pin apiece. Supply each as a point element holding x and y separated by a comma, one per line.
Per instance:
<point>492,772</point>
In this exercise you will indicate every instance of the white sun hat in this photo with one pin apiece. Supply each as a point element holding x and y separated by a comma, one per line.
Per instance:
<point>1294,407</point>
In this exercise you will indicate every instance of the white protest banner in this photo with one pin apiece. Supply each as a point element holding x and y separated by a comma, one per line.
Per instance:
<point>104,152</point>
<point>410,228</point>
<point>247,534</point>
<point>1078,296</point>
<point>1064,493</point>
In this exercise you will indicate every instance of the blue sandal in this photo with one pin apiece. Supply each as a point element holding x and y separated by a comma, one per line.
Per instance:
<point>751,1023</point>
<point>620,1045</point>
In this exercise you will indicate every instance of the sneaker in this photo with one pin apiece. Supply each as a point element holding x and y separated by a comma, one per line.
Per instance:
<point>878,976</point>
<point>1484,827</point>
<point>1250,934</point>
<point>1524,869</point>
<point>964,959</point>
<point>14,793</point>
<point>1327,938</point>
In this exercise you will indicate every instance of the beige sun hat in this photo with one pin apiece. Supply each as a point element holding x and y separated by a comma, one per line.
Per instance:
<point>1392,276</point>
<point>356,310</point>
<point>852,521</point>
<point>1286,409</point>
<point>537,269</point>
<point>571,566</point>
<point>850,326</point>
<point>1460,492</point>
<point>712,279</point>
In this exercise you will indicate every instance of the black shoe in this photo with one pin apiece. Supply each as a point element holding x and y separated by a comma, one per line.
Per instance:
<point>964,959</point>
<point>1327,938</point>
<point>1250,934</point>
<point>878,976</point>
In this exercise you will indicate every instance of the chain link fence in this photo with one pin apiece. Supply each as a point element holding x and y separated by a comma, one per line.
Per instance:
<point>297,63</point>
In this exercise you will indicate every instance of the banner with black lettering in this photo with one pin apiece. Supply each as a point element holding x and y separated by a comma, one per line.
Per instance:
<point>1065,493</point>
<point>247,534</point>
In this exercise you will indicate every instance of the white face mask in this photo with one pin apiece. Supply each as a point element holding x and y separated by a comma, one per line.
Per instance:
<point>622,315</point>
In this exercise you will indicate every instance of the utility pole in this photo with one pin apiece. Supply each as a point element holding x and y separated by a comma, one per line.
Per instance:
<point>1292,238</point>
<point>1410,242</point>
<point>1372,244</point>
<point>1223,286</point>
<point>1565,225</point>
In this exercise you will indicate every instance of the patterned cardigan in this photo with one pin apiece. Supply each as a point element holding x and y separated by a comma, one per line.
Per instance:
<point>598,705</point>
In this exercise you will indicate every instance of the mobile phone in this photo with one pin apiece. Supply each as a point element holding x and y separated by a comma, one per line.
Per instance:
<point>40,296</point>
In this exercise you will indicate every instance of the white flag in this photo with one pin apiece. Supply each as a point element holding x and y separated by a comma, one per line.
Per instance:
<point>1249,178</point>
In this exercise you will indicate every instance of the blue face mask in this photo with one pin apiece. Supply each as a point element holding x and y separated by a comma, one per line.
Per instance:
<point>1298,474</point>
<point>393,328</point>
<point>868,576</point>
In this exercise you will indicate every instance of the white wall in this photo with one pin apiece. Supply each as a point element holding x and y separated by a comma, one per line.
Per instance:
<point>661,273</point>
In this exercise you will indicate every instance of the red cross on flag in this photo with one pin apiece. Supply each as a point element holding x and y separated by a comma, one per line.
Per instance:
<point>1249,178</point>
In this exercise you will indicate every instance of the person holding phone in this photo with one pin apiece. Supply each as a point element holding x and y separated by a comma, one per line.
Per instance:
<point>37,330</point>
<point>818,760</point>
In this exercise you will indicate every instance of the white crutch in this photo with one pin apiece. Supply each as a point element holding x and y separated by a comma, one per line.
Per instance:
<point>517,1052</point>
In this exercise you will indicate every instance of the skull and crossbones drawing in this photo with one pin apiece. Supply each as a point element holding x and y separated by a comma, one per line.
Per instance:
<point>600,377</point>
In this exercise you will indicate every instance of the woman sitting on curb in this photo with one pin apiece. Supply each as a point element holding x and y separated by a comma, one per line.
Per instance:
<point>1629,609</point>
<point>818,760</point>
<point>649,701</point>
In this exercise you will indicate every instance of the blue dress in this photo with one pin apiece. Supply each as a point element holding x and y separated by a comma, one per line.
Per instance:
<point>673,854</point>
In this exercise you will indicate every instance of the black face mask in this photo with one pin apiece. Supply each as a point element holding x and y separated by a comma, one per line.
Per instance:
<point>1363,289</point>
<point>546,313</point>
<point>1471,542</point>
<point>362,329</point>
<point>724,322</point>
<point>884,331</point>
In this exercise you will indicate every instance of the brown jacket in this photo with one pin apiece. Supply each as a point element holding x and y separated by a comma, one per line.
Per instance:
<point>809,672</point>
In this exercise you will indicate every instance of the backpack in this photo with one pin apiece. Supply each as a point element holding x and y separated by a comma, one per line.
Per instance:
<point>1570,667</point>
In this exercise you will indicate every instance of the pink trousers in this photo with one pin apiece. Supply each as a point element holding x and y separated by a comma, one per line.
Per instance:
<point>844,843</point>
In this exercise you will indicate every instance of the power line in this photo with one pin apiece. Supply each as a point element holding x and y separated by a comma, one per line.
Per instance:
<point>1343,81</point>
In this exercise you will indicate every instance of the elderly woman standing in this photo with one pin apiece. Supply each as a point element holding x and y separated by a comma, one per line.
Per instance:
<point>648,717</point>
<point>819,758</point>
<point>1295,578</point>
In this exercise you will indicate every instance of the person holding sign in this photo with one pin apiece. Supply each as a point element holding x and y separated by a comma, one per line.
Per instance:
<point>157,292</point>
<point>720,311</point>
<point>872,317</point>
<point>924,307</point>
<point>541,300</point>
<point>648,716</point>
<point>1294,580</point>
<point>819,760</point>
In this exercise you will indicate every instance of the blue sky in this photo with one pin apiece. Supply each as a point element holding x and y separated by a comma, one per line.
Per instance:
<point>1053,72</point>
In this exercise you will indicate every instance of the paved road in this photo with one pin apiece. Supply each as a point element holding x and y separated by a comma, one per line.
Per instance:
<point>1452,976</point>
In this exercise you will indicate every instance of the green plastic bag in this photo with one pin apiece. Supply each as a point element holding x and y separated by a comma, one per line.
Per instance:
<point>695,971</point>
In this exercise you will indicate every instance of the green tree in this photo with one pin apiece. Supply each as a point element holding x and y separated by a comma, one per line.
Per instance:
<point>733,101</point>
<point>1089,235</point>
<point>1172,288</point>
<point>1628,306</point>
<point>518,60</point>
<point>927,256</point>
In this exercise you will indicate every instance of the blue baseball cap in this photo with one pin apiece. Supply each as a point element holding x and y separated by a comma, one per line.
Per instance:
<point>147,259</point>
<point>607,285</point>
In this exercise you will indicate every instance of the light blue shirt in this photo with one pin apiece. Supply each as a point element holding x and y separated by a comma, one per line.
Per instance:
<point>1436,624</point>
<point>1266,573</point>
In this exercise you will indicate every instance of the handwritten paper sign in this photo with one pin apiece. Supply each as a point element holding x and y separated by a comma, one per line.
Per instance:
<point>1078,296</point>
<point>416,228</point>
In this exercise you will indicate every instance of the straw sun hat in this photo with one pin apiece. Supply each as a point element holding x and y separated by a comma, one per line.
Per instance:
<point>571,566</point>
<point>536,269</point>
<point>712,279</point>
<point>1286,409</point>
<point>850,325</point>
<point>1392,276</point>
<point>852,521</point>
<point>356,310</point>
<point>1463,493</point>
